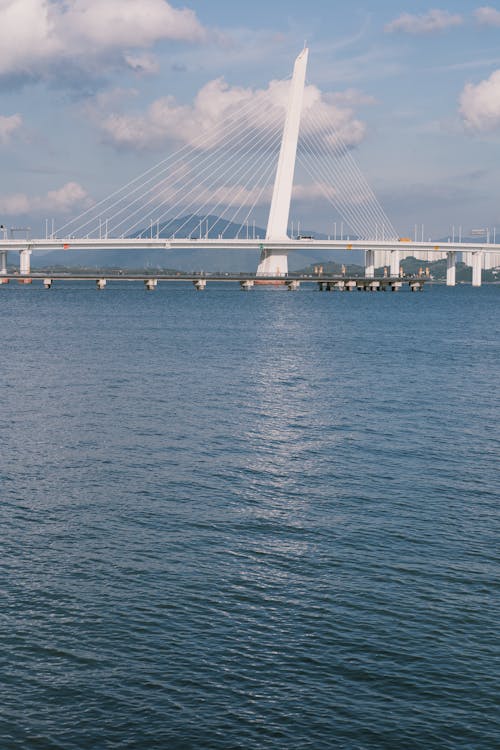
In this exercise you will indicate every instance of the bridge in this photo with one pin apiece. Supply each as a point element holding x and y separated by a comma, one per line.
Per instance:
<point>196,177</point>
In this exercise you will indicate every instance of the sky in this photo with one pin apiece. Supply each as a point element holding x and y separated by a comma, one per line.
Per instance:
<point>94,92</point>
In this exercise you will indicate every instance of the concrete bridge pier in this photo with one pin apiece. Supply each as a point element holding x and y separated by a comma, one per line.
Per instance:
<point>477,266</point>
<point>369,264</point>
<point>335,286</point>
<point>3,262</point>
<point>395,263</point>
<point>24,261</point>
<point>272,263</point>
<point>416,286</point>
<point>451,269</point>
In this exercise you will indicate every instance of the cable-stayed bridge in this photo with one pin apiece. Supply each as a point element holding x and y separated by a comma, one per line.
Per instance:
<point>226,172</point>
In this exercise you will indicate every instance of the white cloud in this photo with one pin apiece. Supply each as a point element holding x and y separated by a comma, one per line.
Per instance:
<point>109,98</point>
<point>238,194</point>
<point>14,204</point>
<point>38,35</point>
<point>204,123</point>
<point>127,23</point>
<point>166,120</point>
<point>488,16</point>
<point>241,195</point>
<point>68,198</point>
<point>312,192</point>
<point>326,116</point>
<point>480,104</point>
<point>8,125</point>
<point>425,23</point>
<point>351,98</point>
<point>143,63</point>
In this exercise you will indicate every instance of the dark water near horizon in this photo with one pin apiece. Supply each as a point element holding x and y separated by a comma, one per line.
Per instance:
<point>249,520</point>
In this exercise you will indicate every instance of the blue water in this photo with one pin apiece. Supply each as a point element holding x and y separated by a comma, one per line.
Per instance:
<point>249,520</point>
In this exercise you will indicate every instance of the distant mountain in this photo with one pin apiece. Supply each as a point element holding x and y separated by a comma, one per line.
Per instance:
<point>210,227</point>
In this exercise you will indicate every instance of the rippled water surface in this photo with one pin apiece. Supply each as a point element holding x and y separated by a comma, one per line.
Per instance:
<point>249,520</point>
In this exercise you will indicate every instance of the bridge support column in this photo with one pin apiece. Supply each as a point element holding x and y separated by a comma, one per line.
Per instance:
<point>24,262</point>
<point>369,264</point>
<point>395,263</point>
<point>451,268</point>
<point>3,262</point>
<point>477,267</point>
<point>416,286</point>
<point>272,264</point>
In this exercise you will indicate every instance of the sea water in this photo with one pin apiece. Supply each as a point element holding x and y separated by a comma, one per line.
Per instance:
<point>249,520</point>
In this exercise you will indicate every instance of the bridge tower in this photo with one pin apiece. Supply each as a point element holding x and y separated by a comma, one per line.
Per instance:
<point>275,263</point>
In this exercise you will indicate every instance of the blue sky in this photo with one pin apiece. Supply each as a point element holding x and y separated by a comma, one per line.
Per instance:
<point>93,92</point>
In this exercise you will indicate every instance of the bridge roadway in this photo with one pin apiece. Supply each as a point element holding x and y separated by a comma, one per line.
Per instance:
<point>398,249</point>
<point>324,282</point>
<point>193,243</point>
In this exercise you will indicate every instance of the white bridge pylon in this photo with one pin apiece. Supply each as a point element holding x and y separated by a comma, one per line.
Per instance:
<point>275,262</point>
